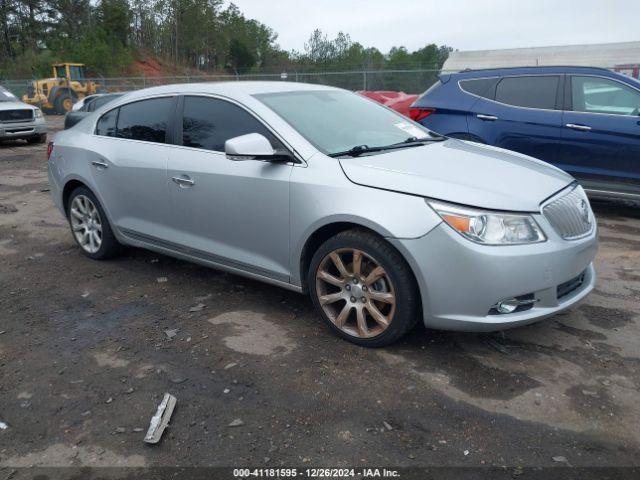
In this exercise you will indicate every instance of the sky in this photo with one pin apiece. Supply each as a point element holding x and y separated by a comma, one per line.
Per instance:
<point>461,24</point>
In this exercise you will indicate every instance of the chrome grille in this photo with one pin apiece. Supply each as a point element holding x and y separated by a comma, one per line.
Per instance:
<point>570,215</point>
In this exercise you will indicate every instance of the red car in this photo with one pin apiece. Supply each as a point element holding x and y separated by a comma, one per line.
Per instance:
<point>399,101</point>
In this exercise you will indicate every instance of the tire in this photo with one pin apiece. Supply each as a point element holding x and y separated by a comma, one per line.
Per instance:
<point>398,282</point>
<point>63,103</point>
<point>108,246</point>
<point>42,138</point>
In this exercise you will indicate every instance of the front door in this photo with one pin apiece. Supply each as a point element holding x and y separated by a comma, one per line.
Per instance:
<point>234,213</point>
<point>601,134</point>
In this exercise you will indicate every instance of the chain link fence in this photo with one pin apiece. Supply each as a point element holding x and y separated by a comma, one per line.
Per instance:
<point>409,81</point>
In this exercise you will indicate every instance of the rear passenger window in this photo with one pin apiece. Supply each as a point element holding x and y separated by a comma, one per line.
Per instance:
<point>208,123</point>
<point>482,87</point>
<point>530,92</point>
<point>107,124</point>
<point>146,120</point>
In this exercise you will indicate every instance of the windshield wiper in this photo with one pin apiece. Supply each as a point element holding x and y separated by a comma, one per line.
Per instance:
<point>409,142</point>
<point>434,137</point>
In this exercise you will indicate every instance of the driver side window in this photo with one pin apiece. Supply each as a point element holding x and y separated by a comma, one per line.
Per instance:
<point>208,123</point>
<point>601,95</point>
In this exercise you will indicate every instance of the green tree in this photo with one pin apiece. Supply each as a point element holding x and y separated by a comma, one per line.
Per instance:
<point>114,17</point>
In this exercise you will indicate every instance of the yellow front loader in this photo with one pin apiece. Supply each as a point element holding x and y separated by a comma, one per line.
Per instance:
<point>58,94</point>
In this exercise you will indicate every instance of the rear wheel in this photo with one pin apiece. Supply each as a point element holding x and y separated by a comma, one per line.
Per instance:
<point>89,225</point>
<point>363,289</point>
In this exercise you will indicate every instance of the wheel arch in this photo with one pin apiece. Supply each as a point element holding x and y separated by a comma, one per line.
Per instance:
<point>322,233</point>
<point>68,188</point>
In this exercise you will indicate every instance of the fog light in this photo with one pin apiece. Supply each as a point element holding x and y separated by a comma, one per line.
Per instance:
<point>508,306</point>
<point>514,304</point>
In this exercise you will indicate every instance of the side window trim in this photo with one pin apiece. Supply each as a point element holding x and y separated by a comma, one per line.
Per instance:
<point>568,94</point>
<point>562,81</point>
<point>178,120</point>
<point>169,135</point>
<point>489,94</point>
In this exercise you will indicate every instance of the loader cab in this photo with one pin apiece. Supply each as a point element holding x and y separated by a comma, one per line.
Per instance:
<point>71,71</point>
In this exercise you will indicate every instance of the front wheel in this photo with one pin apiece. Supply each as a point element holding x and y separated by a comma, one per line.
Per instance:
<point>89,225</point>
<point>363,289</point>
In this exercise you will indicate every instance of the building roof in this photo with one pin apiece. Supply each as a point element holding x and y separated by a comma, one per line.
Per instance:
<point>606,55</point>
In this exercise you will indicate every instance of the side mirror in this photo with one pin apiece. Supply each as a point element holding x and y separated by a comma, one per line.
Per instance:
<point>253,146</point>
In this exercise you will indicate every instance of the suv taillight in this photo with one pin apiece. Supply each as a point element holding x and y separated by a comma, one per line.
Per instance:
<point>418,114</point>
<point>49,150</point>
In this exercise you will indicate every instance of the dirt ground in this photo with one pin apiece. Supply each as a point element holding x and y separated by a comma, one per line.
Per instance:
<point>86,353</point>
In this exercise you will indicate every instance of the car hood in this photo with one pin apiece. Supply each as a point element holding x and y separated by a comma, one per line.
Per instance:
<point>461,172</point>
<point>14,105</point>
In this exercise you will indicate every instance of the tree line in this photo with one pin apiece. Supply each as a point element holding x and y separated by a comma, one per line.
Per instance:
<point>193,35</point>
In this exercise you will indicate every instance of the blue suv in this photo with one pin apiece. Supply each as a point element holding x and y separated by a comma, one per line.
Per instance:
<point>584,120</point>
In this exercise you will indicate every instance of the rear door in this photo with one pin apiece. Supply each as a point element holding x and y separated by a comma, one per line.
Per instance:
<point>601,134</point>
<point>234,213</point>
<point>129,165</point>
<point>521,113</point>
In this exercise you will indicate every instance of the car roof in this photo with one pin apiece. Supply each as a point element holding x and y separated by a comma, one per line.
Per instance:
<point>231,89</point>
<point>558,69</point>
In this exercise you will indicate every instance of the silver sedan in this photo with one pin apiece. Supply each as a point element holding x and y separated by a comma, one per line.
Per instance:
<point>319,190</point>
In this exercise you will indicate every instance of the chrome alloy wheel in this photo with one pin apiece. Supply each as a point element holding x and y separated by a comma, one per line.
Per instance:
<point>86,223</point>
<point>355,293</point>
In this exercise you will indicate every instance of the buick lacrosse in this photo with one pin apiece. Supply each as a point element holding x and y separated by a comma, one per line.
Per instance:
<point>320,190</point>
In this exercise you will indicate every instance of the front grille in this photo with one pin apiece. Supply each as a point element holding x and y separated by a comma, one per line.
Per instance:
<point>572,285</point>
<point>22,115</point>
<point>570,215</point>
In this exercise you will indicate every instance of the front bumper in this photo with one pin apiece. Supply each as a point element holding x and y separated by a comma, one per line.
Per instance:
<point>20,130</point>
<point>460,281</point>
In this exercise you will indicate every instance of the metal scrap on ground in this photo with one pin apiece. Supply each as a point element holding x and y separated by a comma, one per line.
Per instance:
<point>160,420</point>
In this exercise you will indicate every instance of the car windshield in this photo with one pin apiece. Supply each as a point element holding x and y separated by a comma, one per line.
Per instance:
<point>6,95</point>
<point>336,121</point>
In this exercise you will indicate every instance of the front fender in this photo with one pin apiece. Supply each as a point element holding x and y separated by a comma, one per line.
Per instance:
<point>323,196</point>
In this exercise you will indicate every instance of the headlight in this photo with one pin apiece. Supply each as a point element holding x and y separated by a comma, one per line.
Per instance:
<point>38,113</point>
<point>490,228</point>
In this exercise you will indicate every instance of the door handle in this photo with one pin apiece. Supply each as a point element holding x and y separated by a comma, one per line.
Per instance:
<point>582,128</point>
<point>490,118</point>
<point>97,164</point>
<point>183,181</point>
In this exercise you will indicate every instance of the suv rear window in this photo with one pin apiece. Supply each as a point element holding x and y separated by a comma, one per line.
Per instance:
<point>482,87</point>
<point>532,91</point>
